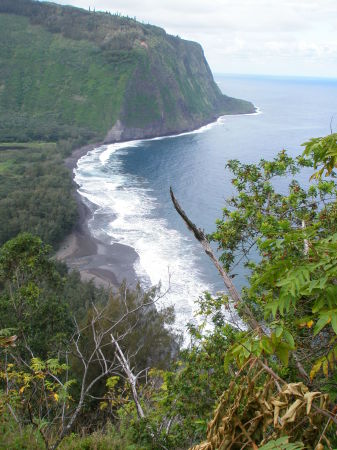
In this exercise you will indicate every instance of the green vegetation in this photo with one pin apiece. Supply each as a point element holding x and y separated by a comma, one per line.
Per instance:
<point>35,187</point>
<point>66,77</point>
<point>63,346</point>
<point>82,367</point>
<point>54,87</point>
<point>268,380</point>
<point>67,73</point>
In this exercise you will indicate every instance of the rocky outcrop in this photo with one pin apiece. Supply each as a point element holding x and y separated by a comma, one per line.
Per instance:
<point>121,133</point>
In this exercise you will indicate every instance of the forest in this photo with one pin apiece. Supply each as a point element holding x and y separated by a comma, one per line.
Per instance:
<point>68,73</point>
<point>35,186</point>
<point>83,367</point>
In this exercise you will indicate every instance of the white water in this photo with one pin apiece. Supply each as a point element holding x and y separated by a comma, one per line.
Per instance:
<point>128,205</point>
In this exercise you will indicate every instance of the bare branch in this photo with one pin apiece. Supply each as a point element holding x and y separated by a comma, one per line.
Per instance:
<point>249,316</point>
<point>131,377</point>
<point>200,236</point>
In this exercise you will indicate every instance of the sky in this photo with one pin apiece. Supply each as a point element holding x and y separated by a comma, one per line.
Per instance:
<point>271,37</point>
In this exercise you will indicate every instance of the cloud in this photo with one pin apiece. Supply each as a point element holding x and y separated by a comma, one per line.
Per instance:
<point>239,31</point>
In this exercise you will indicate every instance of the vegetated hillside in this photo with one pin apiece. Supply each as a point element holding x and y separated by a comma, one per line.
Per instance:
<point>66,72</point>
<point>97,381</point>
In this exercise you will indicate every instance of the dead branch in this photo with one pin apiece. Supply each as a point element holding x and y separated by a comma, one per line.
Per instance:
<point>200,236</point>
<point>131,377</point>
<point>235,296</point>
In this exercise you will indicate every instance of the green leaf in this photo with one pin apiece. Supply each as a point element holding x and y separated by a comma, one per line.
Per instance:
<point>267,345</point>
<point>272,307</point>
<point>321,323</point>
<point>112,381</point>
<point>282,352</point>
<point>278,331</point>
<point>334,322</point>
<point>318,305</point>
<point>289,338</point>
<point>37,365</point>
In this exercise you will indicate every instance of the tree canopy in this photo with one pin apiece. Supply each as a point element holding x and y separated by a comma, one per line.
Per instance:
<point>267,383</point>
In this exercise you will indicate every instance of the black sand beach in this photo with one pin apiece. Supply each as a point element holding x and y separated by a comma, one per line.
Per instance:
<point>106,264</point>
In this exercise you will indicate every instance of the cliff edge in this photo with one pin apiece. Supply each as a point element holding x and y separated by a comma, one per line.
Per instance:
<point>65,71</point>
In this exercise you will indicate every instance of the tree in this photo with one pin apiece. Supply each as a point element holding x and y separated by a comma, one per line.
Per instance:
<point>48,387</point>
<point>289,307</point>
<point>30,300</point>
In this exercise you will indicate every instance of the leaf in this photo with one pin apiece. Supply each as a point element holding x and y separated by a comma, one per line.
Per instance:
<point>334,322</point>
<point>315,368</point>
<point>321,323</point>
<point>7,341</point>
<point>272,307</point>
<point>103,405</point>
<point>309,397</point>
<point>282,352</point>
<point>290,414</point>
<point>53,364</point>
<point>37,365</point>
<point>285,301</point>
<point>267,345</point>
<point>325,367</point>
<point>237,349</point>
<point>278,331</point>
<point>112,381</point>
<point>289,338</point>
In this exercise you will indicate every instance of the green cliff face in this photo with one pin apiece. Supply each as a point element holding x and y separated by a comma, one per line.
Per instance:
<point>66,72</point>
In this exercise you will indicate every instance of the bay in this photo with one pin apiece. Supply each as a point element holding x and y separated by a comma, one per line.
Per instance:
<point>130,182</point>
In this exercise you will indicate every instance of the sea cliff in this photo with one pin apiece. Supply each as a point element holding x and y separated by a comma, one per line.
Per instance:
<point>67,72</point>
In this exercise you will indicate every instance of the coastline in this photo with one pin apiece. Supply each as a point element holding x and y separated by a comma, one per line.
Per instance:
<point>107,265</point>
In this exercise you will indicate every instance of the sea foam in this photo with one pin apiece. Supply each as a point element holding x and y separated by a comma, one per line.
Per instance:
<point>125,212</point>
<point>127,205</point>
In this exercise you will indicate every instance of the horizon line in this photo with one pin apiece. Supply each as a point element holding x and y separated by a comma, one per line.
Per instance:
<point>264,75</point>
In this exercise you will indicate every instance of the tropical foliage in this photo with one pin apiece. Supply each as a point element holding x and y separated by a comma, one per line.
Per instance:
<point>265,383</point>
<point>67,73</point>
<point>53,348</point>
<point>292,286</point>
<point>36,186</point>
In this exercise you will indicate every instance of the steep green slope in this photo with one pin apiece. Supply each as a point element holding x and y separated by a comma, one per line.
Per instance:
<point>53,87</point>
<point>65,72</point>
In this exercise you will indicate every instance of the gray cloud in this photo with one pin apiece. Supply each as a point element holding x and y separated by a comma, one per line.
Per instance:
<point>245,36</point>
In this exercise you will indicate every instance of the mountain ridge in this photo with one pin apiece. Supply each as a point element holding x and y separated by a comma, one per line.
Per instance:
<point>100,75</point>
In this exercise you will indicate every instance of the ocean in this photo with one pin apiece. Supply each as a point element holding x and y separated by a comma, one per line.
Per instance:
<point>129,182</point>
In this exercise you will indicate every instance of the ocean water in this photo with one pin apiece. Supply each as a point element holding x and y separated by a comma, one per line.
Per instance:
<point>129,182</point>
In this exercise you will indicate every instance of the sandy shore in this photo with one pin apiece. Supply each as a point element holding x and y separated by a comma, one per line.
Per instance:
<point>107,265</point>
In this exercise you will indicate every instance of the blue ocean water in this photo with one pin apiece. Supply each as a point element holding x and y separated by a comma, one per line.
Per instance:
<point>130,182</point>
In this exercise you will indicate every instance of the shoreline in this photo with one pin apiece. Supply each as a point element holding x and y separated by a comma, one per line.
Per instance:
<point>107,265</point>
